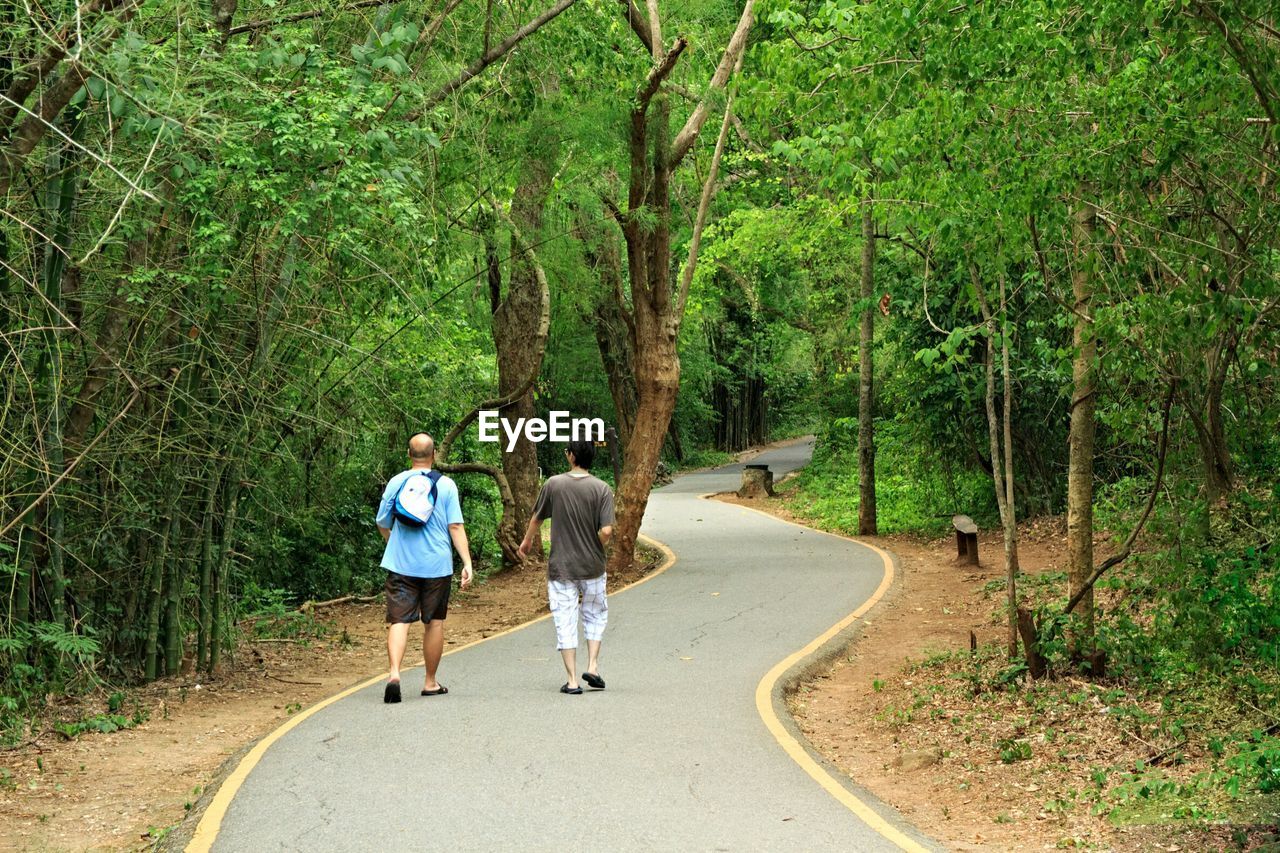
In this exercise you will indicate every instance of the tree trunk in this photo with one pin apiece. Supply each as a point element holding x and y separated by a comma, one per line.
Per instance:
<point>114,332</point>
<point>61,189</point>
<point>20,612</point>
<point>230,503</point>
<point>155,589</point>
<point>1009,516</point>
<point>656,309</point>
<point>173,598</point>
<point>673,437</point>
<point>612,324</point>
<point>1206,417</point>
<point>866,379</point>
<point>658,379</point>
<point>616,354</point>
<point>204,603</point>
<point>1001,461</point>
<point>508,533</point>
<point>515,329</point>
<point>1081,435</point>
<point>657,363</point>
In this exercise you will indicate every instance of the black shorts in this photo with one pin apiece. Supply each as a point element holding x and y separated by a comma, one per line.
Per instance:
<point>411,599</point>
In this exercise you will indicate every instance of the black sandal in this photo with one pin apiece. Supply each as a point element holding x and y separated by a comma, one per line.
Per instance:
<point>593,680</point>
<point>391,694</point>
<point>443,690</point>
<point>565,688</point>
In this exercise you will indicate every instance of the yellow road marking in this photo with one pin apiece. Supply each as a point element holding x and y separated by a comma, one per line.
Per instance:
<point>206,831</point>
<point>788,742</point>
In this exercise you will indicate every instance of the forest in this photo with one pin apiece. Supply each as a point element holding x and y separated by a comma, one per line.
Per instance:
<point>1013,259</point>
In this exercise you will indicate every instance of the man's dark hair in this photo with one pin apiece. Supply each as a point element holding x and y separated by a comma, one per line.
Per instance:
<point>584,453</point>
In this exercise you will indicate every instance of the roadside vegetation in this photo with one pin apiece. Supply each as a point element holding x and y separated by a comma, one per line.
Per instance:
<point>1181,728</point>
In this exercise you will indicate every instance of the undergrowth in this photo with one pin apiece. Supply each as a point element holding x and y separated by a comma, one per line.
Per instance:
<point>916,490</point>
<point>1183,726</point>
<point>1190,629</point>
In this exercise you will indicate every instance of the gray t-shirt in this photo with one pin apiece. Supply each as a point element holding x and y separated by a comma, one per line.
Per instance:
<point>578,507</point>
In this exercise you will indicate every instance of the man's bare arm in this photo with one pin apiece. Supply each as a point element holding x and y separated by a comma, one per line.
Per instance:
<point>458,533</point>
<point>385,531</point>
<point>605,534</point>
<point>531,535</point>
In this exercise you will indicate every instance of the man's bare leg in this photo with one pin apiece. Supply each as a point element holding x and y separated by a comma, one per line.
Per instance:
<point>570,658</point>
<point>397,637</point>
<point>593,657</point>
<point>432,651</point>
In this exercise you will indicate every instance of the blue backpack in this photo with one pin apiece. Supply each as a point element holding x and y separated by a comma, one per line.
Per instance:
<point>416,499</point>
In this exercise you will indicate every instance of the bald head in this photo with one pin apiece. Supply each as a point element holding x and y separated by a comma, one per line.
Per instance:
<point>422,447</point>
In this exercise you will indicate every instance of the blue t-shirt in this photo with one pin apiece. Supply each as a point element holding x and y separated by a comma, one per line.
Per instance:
<point>420,552</point>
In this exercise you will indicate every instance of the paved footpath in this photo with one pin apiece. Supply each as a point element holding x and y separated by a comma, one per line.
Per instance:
<point>673,755</point>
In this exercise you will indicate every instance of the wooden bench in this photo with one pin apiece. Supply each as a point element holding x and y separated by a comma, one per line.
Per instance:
<point>966,539</point>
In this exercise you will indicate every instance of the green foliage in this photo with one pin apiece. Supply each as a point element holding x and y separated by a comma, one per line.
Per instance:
<point>100,723</point>
<point>1012,750</point>
<point>1256,764</point>
<point>36,660</point>
<point>917,490</point>
<point>272,616</point>
<point>707,459</point>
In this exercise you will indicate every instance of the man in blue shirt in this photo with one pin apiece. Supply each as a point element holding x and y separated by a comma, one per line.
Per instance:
<point>420,568</point>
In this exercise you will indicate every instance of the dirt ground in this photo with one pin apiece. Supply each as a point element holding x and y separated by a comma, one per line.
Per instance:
<point>879,717</point>
<point>124,790</point>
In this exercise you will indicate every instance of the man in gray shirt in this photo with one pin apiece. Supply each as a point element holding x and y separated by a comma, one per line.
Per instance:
<point>580,507</point>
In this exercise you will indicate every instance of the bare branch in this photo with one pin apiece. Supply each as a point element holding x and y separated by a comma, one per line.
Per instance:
<point>493,55</point>
<point>704,204</point>
<point>733,51</point>
<point>251,26</point>
<point>639,25</point>
<point>658,73</point>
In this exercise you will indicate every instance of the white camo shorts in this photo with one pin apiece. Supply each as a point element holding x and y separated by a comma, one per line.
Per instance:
<point>567,598</point>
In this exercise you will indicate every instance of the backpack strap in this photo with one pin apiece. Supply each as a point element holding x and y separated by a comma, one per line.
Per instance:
<point>434,476</point>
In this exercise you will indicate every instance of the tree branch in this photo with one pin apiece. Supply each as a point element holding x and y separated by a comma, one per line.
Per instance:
<point>658,73</point>
<point>26,80</point>
<point>791,34</point>
<point>67,471</point>
<point>251,26</point>
<point>639,24</point>
<point>733,51</point>
<point>704,203</point>
<point>1267,97</point>
<point>493,55</point>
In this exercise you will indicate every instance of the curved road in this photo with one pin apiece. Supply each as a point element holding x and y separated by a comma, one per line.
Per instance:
<point>672,756</point>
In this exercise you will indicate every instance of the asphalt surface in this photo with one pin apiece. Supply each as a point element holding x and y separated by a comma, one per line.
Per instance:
<point>671,756</point>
